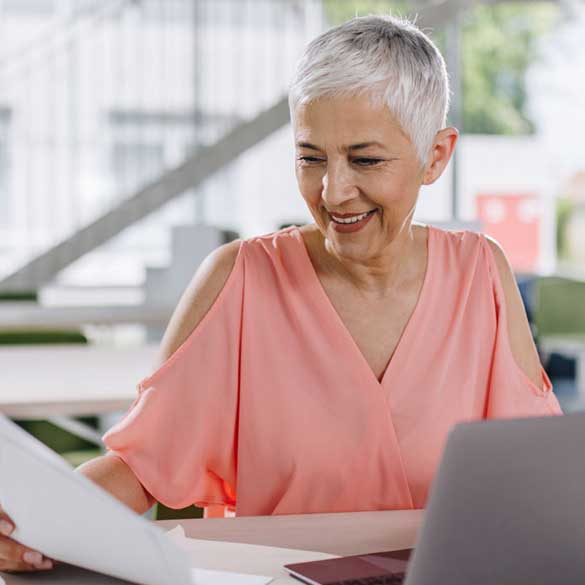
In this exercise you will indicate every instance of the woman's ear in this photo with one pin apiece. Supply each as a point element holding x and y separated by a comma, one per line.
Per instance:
<point>440,154</point>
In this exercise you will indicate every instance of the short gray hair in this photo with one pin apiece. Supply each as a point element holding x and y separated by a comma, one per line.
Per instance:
<point>385,57</point>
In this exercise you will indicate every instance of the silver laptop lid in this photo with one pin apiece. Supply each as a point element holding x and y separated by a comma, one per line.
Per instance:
<point>507,506</point>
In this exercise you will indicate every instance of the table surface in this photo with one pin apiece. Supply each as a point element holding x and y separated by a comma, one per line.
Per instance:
<point>71,380</point>
<point>339,534</point>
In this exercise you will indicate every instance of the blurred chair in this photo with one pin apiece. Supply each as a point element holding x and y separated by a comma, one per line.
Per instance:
<point>526,284</point>
<point>560,308</point>
<point>559,317</point>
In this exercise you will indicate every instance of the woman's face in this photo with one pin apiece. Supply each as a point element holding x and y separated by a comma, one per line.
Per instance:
<point>352,158</point>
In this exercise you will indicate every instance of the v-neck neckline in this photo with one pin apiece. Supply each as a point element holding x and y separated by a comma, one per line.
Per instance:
<point>344,331</point>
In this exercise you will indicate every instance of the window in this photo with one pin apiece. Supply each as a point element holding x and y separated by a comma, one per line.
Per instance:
<point>143,145</point>
<point>135,163</point>
<point>251,14</point>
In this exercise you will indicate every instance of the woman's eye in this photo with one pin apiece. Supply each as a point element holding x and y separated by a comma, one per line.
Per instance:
<point>310,159</point>
<point>367,162</point>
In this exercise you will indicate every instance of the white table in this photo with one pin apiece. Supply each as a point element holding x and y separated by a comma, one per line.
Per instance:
<point>25,316</point>
<point>348,533</point>
<point>338,534</point>
<point>60,381</point>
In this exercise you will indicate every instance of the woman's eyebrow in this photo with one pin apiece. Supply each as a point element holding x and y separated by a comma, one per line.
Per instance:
<point>359,146</point>
<point>307,145</point>
<point>363,145</point>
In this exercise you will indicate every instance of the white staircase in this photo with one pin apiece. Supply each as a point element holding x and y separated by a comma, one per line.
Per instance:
<point>188,175</point>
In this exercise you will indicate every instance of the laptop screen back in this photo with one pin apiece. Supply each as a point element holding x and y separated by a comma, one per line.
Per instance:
<point>507,506</point>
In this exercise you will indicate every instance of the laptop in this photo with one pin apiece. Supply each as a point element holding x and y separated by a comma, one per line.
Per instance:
<point>507,507</point>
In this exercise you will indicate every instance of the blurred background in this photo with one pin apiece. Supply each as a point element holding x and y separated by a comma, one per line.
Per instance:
<point>138,135</point>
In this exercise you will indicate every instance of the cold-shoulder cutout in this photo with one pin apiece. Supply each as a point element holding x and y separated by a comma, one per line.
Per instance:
<point>519,333</point>
<point>202,292</point>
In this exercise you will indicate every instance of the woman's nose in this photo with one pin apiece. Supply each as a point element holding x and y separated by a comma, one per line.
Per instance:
<point>338,186</point>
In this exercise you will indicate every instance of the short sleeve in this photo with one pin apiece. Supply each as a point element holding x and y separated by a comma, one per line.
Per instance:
<point>511,392</point>
<point>179,436</point>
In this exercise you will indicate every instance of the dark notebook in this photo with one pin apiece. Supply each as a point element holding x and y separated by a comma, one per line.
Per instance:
<point>383,568</point>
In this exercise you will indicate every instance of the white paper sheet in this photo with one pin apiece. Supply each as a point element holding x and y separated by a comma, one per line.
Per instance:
<point>243,558</point>
<point>207,576</point>
<point>65,516</point>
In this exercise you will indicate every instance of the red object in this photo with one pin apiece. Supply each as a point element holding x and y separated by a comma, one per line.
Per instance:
<point>515,222</point>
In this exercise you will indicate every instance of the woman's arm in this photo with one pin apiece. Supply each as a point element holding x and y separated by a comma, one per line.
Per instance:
<point>520,336</point>
<point>113,475</point>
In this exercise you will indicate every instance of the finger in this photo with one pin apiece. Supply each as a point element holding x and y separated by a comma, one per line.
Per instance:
<point>14,553</point>
<point>6,525</point>
<point>37,560</point>
<point>21,567</point>
<point>45,565</point>
<point>11,550</point>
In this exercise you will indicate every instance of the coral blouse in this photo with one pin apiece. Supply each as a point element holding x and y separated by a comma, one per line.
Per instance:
<point>269,407</point>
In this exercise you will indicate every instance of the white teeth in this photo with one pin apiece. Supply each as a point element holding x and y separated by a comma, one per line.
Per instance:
<point>349,219</point>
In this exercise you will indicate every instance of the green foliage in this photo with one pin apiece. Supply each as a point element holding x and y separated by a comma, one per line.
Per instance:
<point>498,43</point>
<point>25,296</point>
<point>59,440</point>
<point>77,458</point>
<point>41,337</point>
<point>565,208</point>
<point>559,307</point>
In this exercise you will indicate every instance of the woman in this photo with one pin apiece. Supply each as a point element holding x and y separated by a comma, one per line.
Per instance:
<point>320,369</point>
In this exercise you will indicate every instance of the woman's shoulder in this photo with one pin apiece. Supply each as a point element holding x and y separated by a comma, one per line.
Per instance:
<point>282,246</point>
<point>462,246</point>
<point>221,276</point>
<point>275,238</point>
<point>457,237</point>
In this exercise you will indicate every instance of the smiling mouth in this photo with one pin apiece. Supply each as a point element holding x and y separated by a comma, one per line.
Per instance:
<point>353,219</point>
